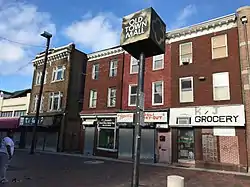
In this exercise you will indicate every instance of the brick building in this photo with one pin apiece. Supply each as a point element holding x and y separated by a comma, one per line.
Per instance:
<point>102,101</point>
<point>59,123</point>
<point>207,113</point>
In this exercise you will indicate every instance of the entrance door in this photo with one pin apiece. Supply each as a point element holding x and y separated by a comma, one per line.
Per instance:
<point>164,147</point>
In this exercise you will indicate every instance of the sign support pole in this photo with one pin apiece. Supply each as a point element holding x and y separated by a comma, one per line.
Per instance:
<point>139,120</point>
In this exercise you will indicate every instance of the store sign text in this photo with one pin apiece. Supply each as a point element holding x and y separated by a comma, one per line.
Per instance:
<point>136,26</point>
<point>220,119</point>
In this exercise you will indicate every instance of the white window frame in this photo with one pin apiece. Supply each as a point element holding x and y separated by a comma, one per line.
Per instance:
<point>91,98</point>
<point>51,101</point>
<point>94,72</point>
<point>180,54</point>
<point>227,85</point>
<point>129,94</point>
<point>133,62</point>
<point>55,72</point>
<point>35,103</point>
<point>113,67</point>
<point>45,77</point>
<point>180,88</point>
<point>109,96</point>
<point>153,94</point>
<point>156,58</point>
<point>38,78</point>
<point>212,46</point>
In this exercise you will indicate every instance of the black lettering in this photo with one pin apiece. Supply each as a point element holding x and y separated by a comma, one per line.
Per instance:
<point>229,118</point>
<point>222,118</point>
<point>209,118</point>
<point>197,119</point>
<point>215,119</point>
<point>235,118</point>
<point>203,118</point>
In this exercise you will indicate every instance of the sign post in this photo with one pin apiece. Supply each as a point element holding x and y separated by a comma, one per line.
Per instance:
<point>143,35</point>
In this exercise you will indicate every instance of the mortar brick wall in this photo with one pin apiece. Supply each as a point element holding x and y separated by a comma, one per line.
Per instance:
<point>150,76</point>
<point>102,84</point>
<point>245,65</point>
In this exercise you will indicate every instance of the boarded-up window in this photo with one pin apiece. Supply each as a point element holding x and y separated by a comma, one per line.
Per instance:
<point>219,46</point>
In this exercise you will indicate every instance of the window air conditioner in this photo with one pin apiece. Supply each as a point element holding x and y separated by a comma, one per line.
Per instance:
<point>185,61</point>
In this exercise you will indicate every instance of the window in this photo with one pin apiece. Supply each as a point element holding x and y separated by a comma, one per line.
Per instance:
<point>186,53</point>
<point>132,95</point>
<point>95,71</point>
<point>93,99</point>
<point>111,97</point>
<point>113,68</point>
<point>221,90</point>
<point>186,89</point>
<point>39,78</point>
<point>58,73</point>
<point>158,62</point>
<point>186,144</point>
<point>19,113</point>
<point>219,46</point>
<point>6,114</point>
<point>134,67</point>
<point>55,101</point>
<point>35,103</point>
<point>157,93</point>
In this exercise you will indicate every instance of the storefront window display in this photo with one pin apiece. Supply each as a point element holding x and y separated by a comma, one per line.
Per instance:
<point>186,144</point>
<point>107,134</point>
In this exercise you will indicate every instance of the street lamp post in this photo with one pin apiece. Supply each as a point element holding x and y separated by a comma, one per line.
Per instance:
<point>33,143</point>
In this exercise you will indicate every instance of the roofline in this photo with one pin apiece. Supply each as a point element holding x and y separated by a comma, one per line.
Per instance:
<point>117,46</point>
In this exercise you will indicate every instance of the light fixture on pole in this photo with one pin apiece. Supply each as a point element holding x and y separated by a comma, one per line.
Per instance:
<point>48,36</point>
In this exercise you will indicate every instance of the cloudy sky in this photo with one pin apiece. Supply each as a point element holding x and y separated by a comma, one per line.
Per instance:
<point>91,25</point>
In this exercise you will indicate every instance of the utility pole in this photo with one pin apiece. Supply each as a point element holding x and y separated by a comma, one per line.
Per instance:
<point>139,120</point>
<point>33,143</point>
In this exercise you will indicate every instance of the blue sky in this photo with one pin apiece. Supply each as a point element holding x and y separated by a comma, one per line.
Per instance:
<point>91,25</point>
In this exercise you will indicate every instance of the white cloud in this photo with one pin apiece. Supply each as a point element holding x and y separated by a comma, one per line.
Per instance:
<point>23,23</point>
<point>183,16</point>
<point>95,32</point>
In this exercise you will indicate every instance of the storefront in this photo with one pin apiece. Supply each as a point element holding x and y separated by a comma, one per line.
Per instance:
<point>48,131</point>
<point>155,136</point>
<point>209,136</point>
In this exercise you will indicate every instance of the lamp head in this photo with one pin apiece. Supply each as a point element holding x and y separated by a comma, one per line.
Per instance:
<point>46,35</point>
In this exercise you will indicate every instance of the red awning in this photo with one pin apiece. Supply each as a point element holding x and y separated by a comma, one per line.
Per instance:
<point>9,123</point>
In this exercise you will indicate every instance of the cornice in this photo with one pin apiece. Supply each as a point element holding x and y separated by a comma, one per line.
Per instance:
<point>105,53</point>
<point>59,54</point>
<point>207,27</point>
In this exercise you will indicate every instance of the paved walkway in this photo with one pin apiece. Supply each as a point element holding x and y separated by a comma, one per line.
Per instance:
<point>42,170</point>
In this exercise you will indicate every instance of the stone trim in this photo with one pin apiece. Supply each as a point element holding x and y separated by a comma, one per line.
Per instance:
<point>244,43</point>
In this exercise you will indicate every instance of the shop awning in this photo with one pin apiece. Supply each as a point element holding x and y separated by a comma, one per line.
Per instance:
<point>9,123</point>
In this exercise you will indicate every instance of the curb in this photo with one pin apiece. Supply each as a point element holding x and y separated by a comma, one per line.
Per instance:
<point>142,163</point>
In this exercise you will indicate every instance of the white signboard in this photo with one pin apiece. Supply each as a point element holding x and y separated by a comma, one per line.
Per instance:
<point>224,131</point>
<point>221,115</point>
<point>149,117</point>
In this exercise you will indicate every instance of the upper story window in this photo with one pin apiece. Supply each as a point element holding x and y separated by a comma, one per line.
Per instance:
<point>221,88</point>
<point>58,73</point>
<point>186,53</point>
<point>113,68</point>
<point>186,89</point>
<point>132,95</point>
<point>157,93</point>
<point>36,102</point>
<point>38,77</point>
<point>134,66</point>
<point>158,62</point>
<point>19,113</point>
<point>111,97</point>
<point>55,101</point>
<point>7,114</point>
<point>92,99</point>
<point>95,71</point>
<point>219,46</point>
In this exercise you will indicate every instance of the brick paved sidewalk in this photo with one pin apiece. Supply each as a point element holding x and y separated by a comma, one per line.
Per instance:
<point>45,170</point>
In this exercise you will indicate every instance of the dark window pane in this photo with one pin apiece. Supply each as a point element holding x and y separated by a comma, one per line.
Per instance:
<point>186,84</point>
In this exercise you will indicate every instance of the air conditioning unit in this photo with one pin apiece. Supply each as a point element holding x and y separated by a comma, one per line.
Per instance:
<point>185,61</point>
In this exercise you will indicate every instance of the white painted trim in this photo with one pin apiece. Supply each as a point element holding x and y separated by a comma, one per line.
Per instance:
<point>109,93</point>
<point>129,92</point>
<point>180,47</point>
<point>244,43</point>
<point>212,46</point>
<point>180,90</point>
<point>162,56</point>
<point>105,53</point>
<point>91,97</point>
<point>132,60</point>
<point>153,95</point>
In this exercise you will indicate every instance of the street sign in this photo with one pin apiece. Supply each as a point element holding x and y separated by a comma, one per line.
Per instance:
<point>143,31</point>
